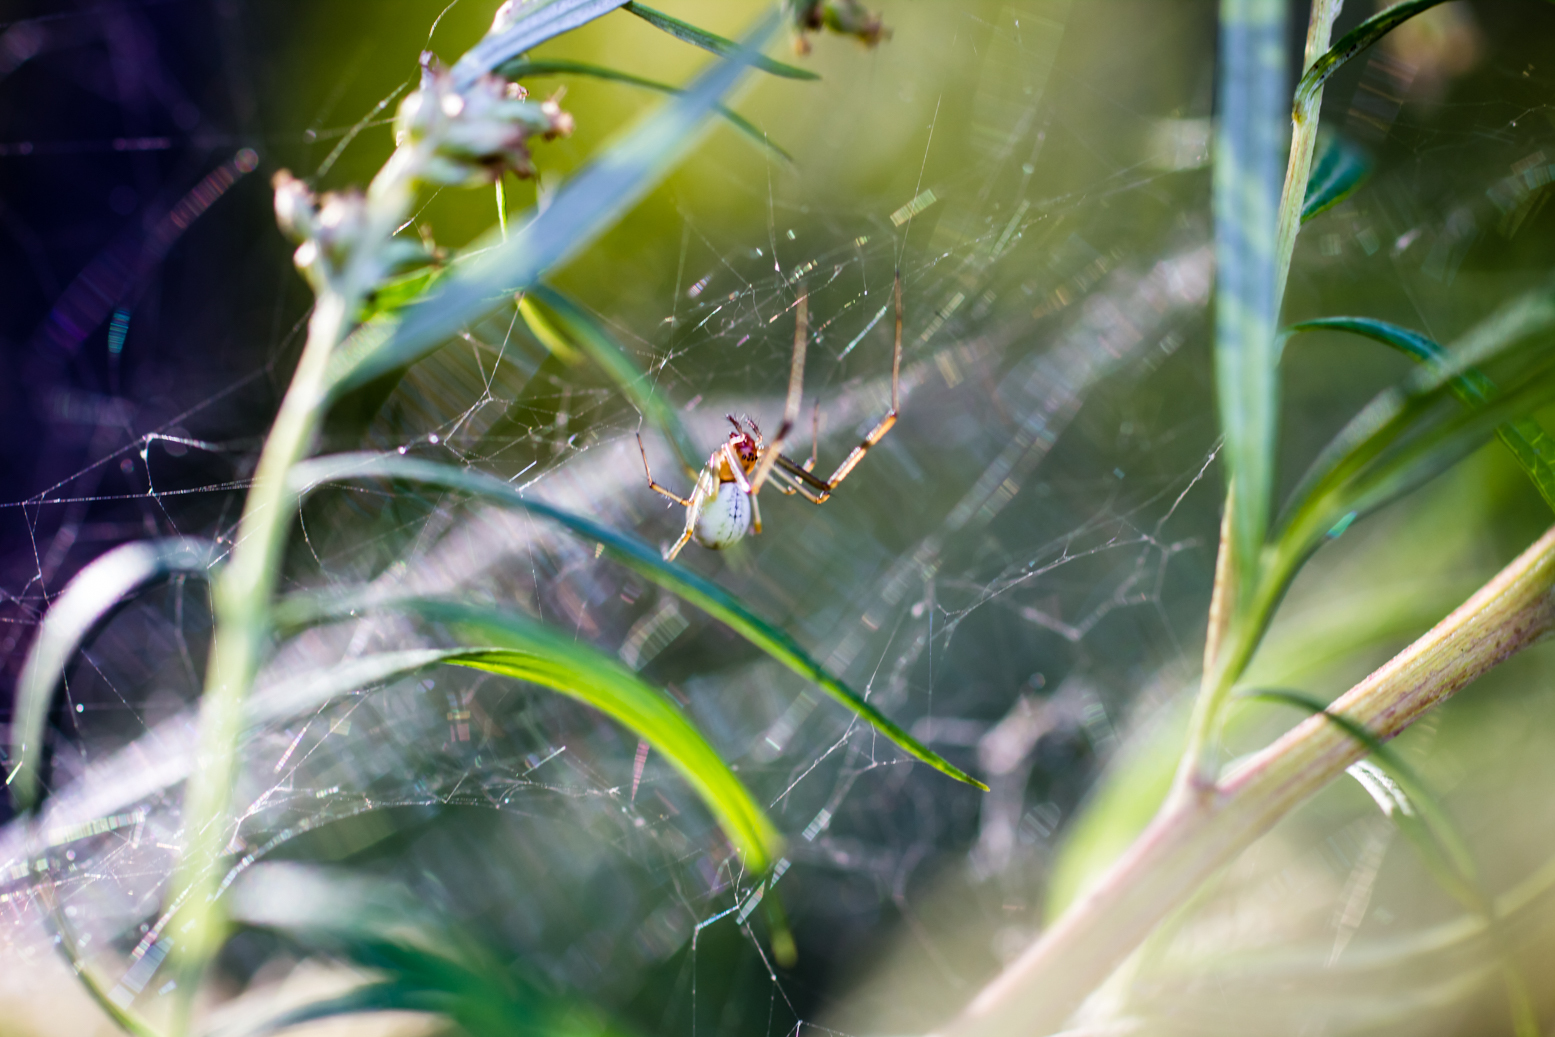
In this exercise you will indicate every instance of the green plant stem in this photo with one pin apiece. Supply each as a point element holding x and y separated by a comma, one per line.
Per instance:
<point>242,600</point>
<point>1199,831</point>
<point>1303,142</point>
<point>1196,767</point>
<point>1229,625</point>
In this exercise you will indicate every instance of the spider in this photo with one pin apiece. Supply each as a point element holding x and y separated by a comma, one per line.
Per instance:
<point>722,507</point>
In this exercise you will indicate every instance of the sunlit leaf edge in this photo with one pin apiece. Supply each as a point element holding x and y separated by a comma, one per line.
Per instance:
<point>94,592</point>
<point>640,558</point>
<point>710,41</point>
<point>1525,437</point>
<point>518,68</point>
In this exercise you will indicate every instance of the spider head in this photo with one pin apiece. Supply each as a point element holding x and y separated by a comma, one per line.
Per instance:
<point>746,443</point>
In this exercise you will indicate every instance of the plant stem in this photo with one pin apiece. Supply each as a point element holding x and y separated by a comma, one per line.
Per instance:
<point>1196,834</point>
<point>242,602</point>
<point>1303,141</point>
<point>1235,622</point>
<point>1197,767</point>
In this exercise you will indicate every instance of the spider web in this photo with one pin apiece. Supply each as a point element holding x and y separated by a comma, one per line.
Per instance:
<point>1025,551</point>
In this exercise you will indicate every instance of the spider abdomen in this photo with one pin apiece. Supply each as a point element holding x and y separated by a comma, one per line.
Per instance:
<point>723,519</point>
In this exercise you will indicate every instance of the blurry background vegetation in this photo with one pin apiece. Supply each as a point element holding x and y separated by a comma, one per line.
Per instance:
<point>1019,573</point>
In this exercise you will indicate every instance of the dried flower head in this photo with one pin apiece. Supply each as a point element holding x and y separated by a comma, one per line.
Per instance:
<point>470,137</point>
<point>847,17</point>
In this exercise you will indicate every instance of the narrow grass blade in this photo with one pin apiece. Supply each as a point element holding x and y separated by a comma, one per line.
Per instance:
<point>536,23</point>
<point>1406,436</point>
<point>1525,437</point>
<point>1248,174</point>
<point>639,557</point>
<point>1394,446</point>
<point>520,68</point>
<point>505,642</point>
<point>382,996</point>
<point>514,645</point>
<point>1516,337</point>
<point>417,962</point>
<point>584,207</point>
<point>1355,41</point>
<point>711,41</point>
<point>96,591</point>
<point>551,315</point>
<point>1340,170</point>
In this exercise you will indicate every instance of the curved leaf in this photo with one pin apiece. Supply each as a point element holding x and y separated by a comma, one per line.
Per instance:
<point>588,203</point>
<point>419,963</point>
<point>1355,41</point>
<point>1339,171</point>
<point>640,558</point>
<point>550,314</point>
<point>531,651</point>
<point>710,41</point>
<point>509,643</point>
<point>1524,437</point>
<point>1405,437</point>
<point>95,591</point>
<point>536,23</point>
<point>518,68</point>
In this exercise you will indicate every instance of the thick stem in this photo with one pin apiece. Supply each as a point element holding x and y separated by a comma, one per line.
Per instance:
<point>242,599</point>
<point>1201,830</point>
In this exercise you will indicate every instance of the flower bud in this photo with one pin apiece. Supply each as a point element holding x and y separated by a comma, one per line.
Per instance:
<point>295,209</point>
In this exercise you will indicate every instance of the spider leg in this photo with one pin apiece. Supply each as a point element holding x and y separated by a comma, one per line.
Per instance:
<point>685,537</point>
<point>782,482</point>
<point>815,437</point>
<point>755,518</point>
<point>795,390</point>
<point>877,433</point>
<point>810,486</point>
<point>683,502</point>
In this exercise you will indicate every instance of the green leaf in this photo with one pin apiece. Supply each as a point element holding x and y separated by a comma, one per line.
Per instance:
<point>1339,171</point>
<point>711,41</point>
<point>533,652</point>
<point>505,642</point>
<point>95,591</point>
<point>640,558</point>
<point>538,21</point>
<point>551,316</point>
<point>520,68</point>
<point>1406,799</point>
<point>419,963</point>
<point>1407,435</point>
<point>1355,41</point>
<point>1248,174</point>
<point>399,292</point>
<point>1525,438</point>
<point>584,207</point>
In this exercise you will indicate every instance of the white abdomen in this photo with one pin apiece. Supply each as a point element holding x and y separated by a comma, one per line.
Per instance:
<point>725,518</point>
